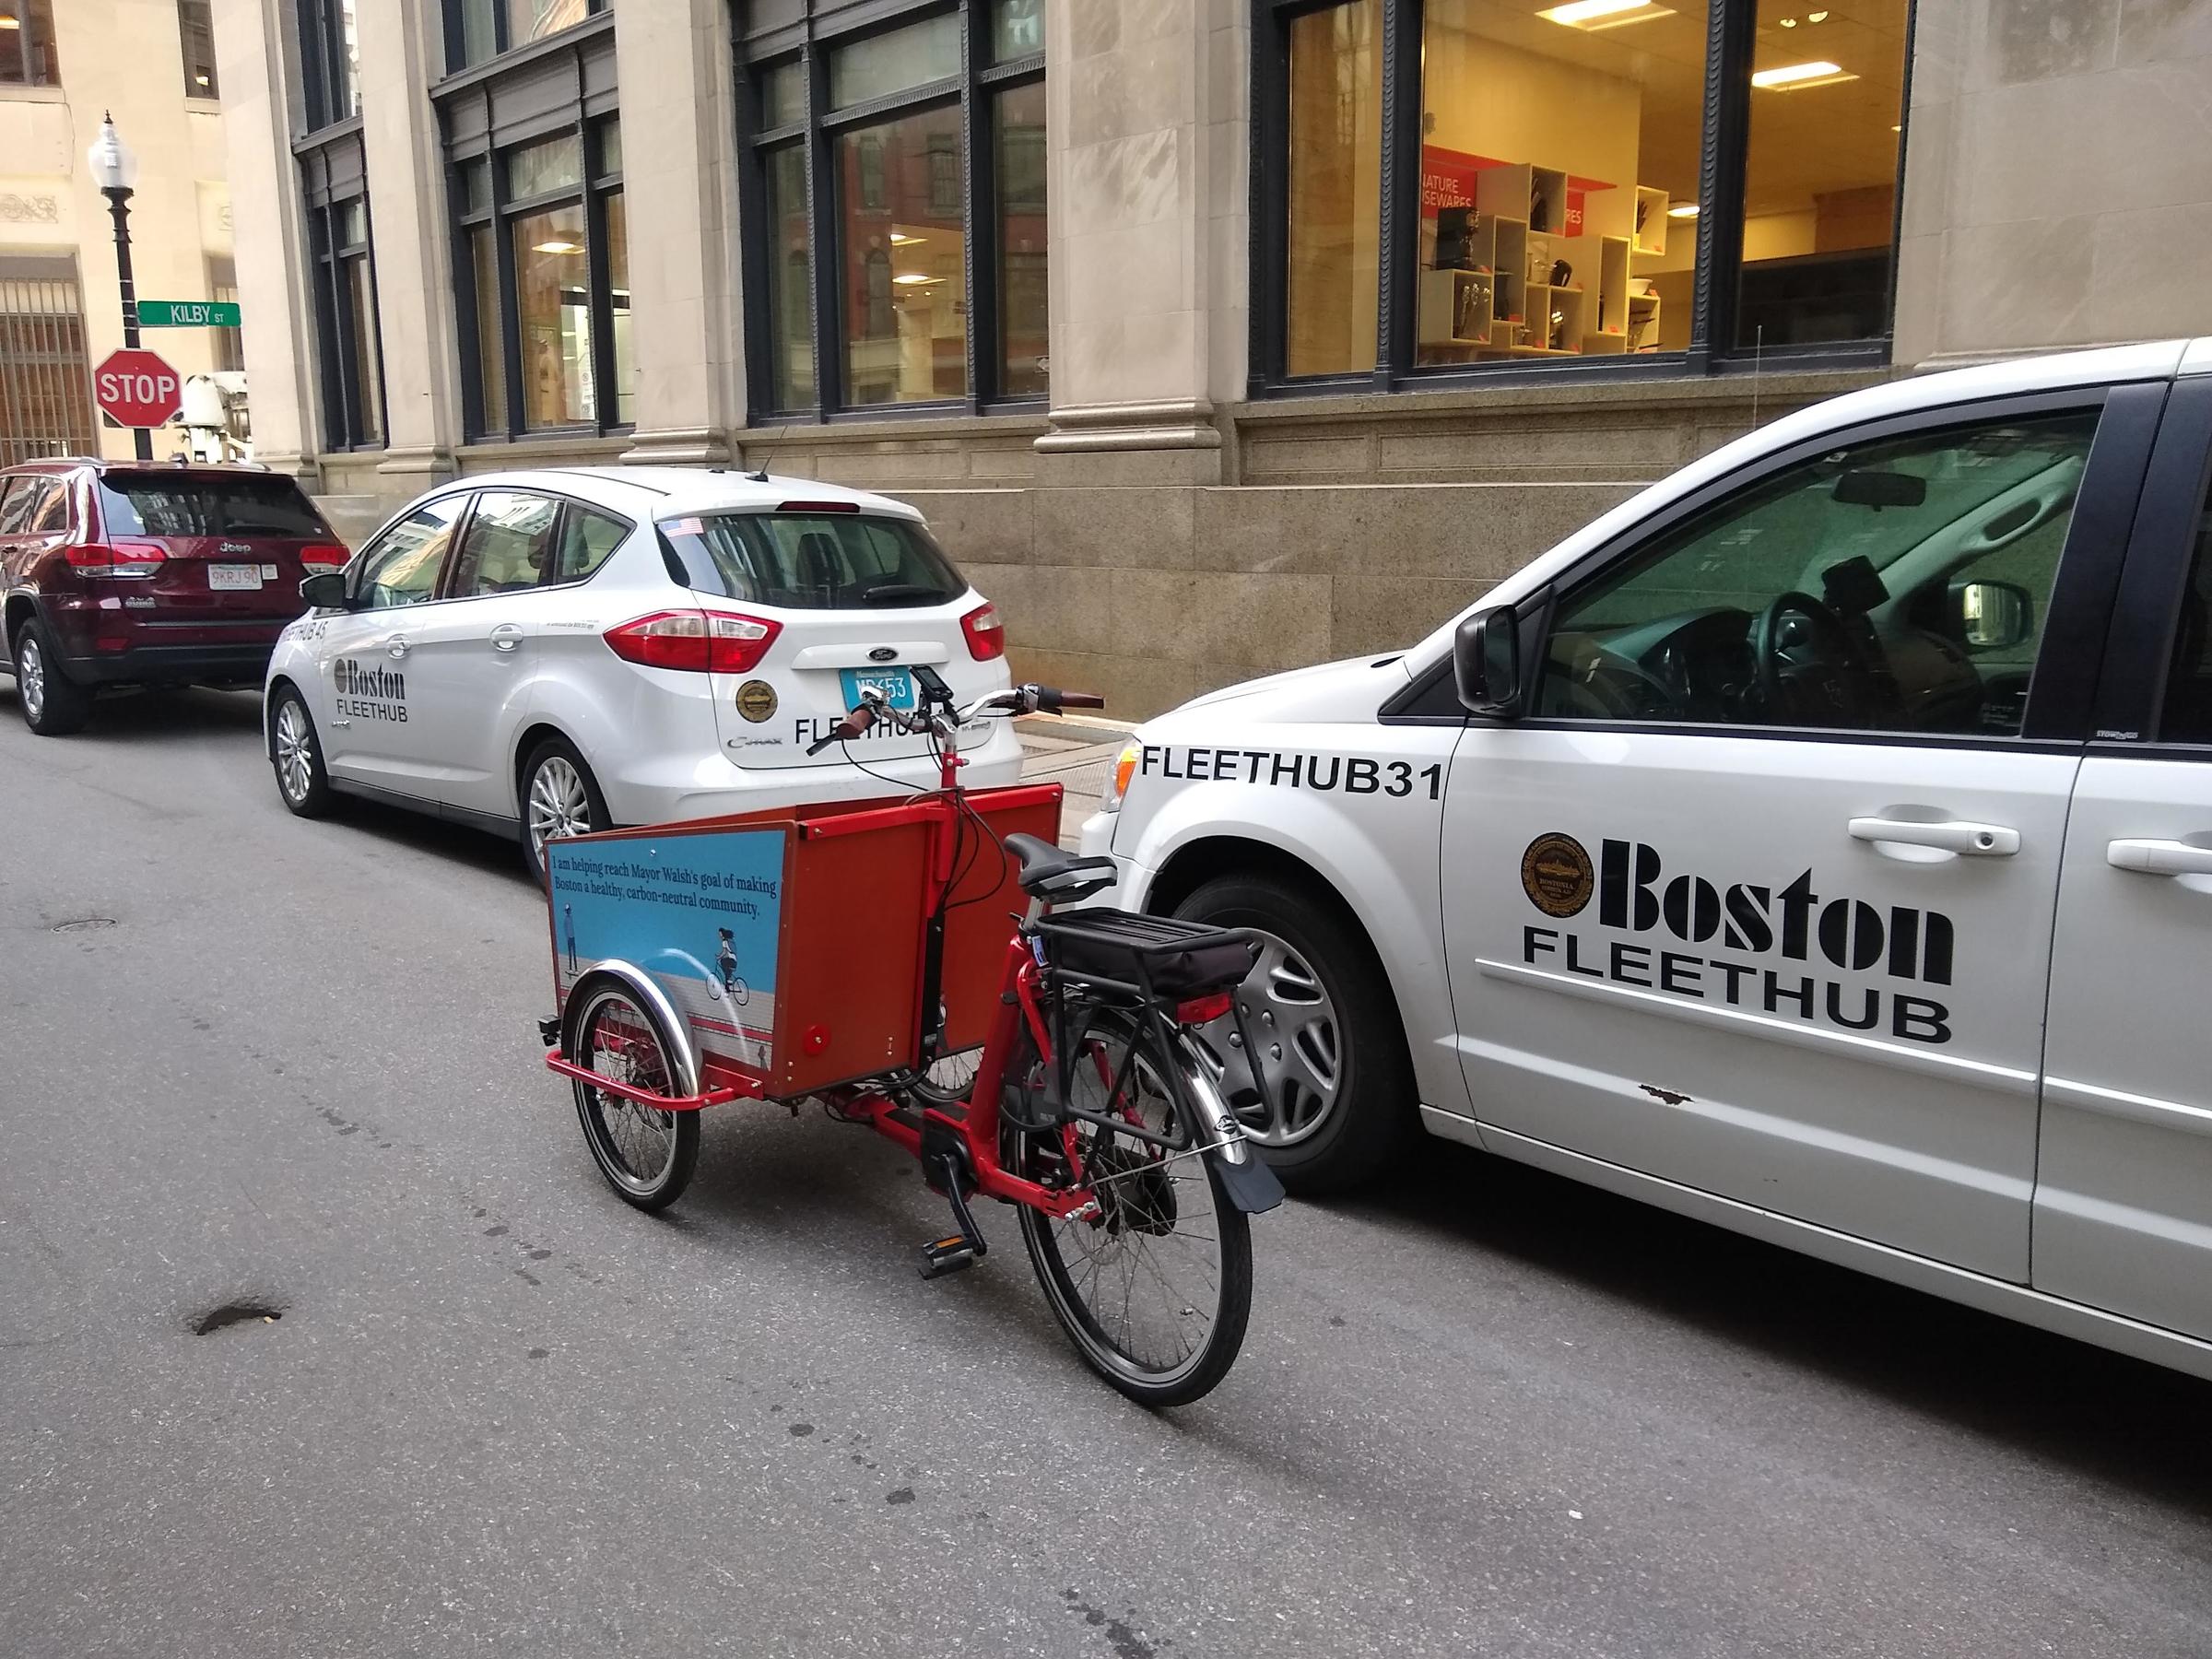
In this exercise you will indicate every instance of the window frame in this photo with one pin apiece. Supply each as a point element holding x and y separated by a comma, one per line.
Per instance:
<point>346,414</point>
<point>567,506</point>
<point>331,97</point>
<point>975,91</point>
<point>22,12</point>
<point>357,567</point>
<point>504,43</point>
<point>1724,152</point>
<point>196,18</point>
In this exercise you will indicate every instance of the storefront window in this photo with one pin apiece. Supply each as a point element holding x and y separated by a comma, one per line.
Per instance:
<point>900,176</point>
<point>492,360</point>
<point>1018,123</point>
<point>617,309</point>
<point>367,365</point>
<point>349,346</point>
<point>906,264</point>
<point>1335,178</point>
<point>1820,180</point>
<point>552,279</point>
<point>791,300</point>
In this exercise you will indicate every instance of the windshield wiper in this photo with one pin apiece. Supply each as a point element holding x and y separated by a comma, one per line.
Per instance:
<point>902,592</point>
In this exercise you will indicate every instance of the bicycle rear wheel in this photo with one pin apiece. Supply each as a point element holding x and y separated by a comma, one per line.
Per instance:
<point>646,1155</point>
<point>1154,1289</point>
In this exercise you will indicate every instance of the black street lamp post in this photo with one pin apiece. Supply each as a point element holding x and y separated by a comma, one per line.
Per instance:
<point>117,170</point>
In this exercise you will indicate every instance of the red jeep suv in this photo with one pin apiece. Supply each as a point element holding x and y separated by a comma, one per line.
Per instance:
<point>116,572</point>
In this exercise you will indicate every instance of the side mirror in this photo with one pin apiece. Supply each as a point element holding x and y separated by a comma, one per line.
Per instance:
<point>324,591</point>
<point>1486,662</point>
<point>1991,615</point>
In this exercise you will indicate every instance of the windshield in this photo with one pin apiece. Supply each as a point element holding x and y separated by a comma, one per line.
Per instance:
<point>812,561</point>
<point>186,504</point>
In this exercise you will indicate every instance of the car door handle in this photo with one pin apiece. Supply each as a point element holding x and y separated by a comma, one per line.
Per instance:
<point>506,636</point>
<point>2159,857</point>
<point>1949,835</point>
<point>397,645</point>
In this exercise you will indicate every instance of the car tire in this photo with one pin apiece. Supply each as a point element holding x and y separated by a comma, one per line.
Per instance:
<point>1318,986</point>
<point>557,787</point>
<point>54,705</point>
<point>296,756</point>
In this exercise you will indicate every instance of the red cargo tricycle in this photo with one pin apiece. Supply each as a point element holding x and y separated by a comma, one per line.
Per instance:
<point>859,954</point>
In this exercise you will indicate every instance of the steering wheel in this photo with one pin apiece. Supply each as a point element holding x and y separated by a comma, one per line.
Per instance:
<point>1813,676</point>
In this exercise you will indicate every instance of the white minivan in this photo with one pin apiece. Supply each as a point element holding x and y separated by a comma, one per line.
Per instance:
<point>1819,842</point>
<point>546,654</point>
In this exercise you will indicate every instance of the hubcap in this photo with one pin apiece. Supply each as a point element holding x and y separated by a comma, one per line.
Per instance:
<point>295,753</point>
<point>558,806</point>
<point>1295,1027</point>
<point>30,676</point>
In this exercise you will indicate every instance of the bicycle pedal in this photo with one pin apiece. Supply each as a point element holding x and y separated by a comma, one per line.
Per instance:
<point>941,1257</point>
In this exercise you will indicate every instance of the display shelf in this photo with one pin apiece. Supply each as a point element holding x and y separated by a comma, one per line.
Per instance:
<point>1648,229</point>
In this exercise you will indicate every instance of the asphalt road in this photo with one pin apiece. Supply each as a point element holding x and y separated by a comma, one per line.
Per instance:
<point>1486,1412</point>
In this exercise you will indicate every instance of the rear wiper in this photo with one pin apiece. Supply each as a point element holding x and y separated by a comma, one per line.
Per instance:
<point>901,592</point>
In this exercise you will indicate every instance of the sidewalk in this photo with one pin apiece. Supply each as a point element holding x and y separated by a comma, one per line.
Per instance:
<point>1076,758</point>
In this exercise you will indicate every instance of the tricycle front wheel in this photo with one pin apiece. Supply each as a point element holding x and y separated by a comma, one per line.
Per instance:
<point>646,1155</point>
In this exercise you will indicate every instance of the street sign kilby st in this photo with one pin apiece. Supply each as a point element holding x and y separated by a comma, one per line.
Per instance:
<point>136,389</point>
<point>188,313</point>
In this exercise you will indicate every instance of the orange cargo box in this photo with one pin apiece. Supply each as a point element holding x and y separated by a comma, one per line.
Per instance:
<point>790,941</point>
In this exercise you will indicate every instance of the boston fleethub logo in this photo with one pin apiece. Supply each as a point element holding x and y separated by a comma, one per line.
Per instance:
<point>372,693</point>
<point>1796,923</point>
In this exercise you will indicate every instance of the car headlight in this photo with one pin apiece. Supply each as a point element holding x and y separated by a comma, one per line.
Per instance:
<point>1117,780</point>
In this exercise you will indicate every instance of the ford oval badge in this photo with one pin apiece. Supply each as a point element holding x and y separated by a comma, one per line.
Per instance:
<point>882,653</point>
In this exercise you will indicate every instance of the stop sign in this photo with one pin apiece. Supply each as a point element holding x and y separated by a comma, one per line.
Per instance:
<point>136,389</point>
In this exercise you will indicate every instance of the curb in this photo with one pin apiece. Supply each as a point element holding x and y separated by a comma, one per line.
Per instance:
<point>1086,727</point>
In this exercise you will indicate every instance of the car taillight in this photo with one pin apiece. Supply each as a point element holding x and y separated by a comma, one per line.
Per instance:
<point>122,558</point>
<point>697,641</point>
<point>986,634</point>
<point>322,560</point>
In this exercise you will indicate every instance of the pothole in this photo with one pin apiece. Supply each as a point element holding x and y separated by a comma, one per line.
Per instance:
<point>233,1314</point>
<point>82,924</point>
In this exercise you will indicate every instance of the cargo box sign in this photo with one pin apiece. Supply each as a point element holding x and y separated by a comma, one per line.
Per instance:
<point>698,913</point>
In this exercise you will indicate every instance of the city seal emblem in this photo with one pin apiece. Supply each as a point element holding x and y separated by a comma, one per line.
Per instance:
<point>756,701</point>
<point>1555,874</point>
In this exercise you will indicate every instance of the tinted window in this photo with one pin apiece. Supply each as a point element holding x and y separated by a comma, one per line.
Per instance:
<point>402,568</point>
<point>813,561</point>
<point>1893,586</point>
<point>586,539</point>
<point>155,504</point>
<point>2187,715</point>
<point>507,545</point>
<point>50,516</point>
<point>14,505</point>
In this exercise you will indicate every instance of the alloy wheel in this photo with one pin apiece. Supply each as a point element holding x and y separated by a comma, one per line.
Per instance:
<point>295,752</point>
<point>1295,1026</point>
<point>558,805</point>
<point>30,676</point>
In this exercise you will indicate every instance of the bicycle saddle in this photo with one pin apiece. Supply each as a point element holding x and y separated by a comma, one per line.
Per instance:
<point>1055,877</point>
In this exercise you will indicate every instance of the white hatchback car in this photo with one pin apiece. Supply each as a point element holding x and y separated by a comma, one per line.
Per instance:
<point>544,653</point>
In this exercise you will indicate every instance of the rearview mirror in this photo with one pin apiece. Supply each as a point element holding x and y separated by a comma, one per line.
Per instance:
<point>1990,616</point>
<point>1486,662</point>
<point>1871,487</point>
<point>324,591</point>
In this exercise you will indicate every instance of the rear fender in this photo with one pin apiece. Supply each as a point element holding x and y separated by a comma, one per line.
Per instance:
<point>646,991</point>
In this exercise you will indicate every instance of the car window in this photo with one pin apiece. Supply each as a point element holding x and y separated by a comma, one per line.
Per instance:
<point>507,545</point>
<point>587,537</point>
<point>205,504</point>
<point>14,505</point>
<point>50,516</point>
<point>812,560</point>
<point>402,568</point>
<point>2186,715</point>
<point>1898,584</point>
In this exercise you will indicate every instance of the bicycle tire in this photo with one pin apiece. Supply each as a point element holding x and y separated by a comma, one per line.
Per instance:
<point>1143,1197</point>
<point>613,1028</point>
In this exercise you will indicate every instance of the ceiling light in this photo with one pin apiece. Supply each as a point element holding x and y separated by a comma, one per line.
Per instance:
<point>1789,22</point>
<point>900,239</point>
<point>915,279</point>
<point>1816,16</point>
<point>1686,210</point>
<point>1792,76</point>
<point>1605,14</point>
<point>11,23</point>
<point>558,247</point>
<point>201,78</point>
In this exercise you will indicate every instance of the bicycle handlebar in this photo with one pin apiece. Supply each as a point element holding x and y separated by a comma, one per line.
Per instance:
<point>1019,700</point>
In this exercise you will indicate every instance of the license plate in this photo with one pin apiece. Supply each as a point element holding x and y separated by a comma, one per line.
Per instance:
<point>229,578</point>
<point>896,684</point>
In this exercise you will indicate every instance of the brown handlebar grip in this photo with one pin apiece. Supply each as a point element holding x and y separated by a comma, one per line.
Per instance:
<point>1081,700</point>
<point>857,722</point>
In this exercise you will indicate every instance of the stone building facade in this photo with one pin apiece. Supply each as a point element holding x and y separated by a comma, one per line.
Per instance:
<point>1215,336</point>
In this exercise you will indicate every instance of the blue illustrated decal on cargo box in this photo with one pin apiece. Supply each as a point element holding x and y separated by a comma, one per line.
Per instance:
<point>701,913</point>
